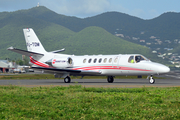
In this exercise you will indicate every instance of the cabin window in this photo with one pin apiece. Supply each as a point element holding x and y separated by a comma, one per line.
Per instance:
<point>110,60</point>
<point>95,60</point>
<point>100,60</point>
<point>89,61</point>
<point>131,59</point>
<point>84,61</point>
<point>115,60</point>
<point>105,60</point>
<point>70,60</point>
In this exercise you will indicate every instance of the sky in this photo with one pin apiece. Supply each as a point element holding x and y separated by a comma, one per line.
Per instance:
<point>144,9</point>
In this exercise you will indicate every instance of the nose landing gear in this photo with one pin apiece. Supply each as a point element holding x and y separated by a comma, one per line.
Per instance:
<point>151,80</point>
<point>67,79</point>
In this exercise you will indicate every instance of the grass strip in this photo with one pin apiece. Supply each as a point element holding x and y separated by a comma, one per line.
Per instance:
<point>77,102</point>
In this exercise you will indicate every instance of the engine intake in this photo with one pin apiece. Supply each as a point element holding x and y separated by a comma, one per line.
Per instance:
<point>61,62</point>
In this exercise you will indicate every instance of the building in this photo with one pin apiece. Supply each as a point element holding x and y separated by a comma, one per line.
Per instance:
<point>5,66</point>
<point>142,41</point>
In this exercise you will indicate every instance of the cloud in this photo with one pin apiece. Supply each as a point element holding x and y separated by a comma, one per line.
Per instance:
<point>88,8</point>
<point>77,7</point>
<point>94,6</point>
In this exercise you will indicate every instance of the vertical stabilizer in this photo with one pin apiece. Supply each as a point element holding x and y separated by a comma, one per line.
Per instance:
<point>32,41</point>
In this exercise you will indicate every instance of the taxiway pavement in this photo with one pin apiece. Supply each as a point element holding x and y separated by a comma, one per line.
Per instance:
<point>128,83</point>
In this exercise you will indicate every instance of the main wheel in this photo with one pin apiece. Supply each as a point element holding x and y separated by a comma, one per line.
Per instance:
<point>110,79</point>
<point>67,79</point>
<point>151,80</point>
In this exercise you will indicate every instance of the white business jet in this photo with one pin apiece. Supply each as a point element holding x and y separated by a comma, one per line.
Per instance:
<point>63,65</point>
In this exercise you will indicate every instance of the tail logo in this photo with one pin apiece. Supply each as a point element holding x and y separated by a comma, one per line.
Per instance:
<point>53,62</point>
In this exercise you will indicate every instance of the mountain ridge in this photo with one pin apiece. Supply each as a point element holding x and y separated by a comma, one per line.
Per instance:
<point>130,25</point>
<point>56,36</point>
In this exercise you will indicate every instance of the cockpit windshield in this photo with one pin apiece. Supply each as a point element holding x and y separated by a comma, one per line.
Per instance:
<point>137,58</point>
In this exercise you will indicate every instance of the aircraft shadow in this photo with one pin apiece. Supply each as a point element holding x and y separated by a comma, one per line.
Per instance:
<point>94,83</point>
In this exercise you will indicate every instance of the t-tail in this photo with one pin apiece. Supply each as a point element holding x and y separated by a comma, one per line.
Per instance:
<point>35,50</point>
<point>32,41</point>
<point>34,46</point>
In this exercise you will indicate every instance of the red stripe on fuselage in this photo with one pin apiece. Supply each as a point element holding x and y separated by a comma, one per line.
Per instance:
<point>109,68</point>
<point>38,63</point>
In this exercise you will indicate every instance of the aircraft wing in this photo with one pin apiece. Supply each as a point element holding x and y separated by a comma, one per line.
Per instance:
<point>24,52</point>
<point>56,70</point>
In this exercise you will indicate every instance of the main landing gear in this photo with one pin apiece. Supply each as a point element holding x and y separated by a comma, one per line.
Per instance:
<point>151,80</point>
<point>67,79</point>
<point>110,79</point>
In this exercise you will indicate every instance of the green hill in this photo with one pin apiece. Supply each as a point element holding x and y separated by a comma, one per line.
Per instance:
<point>90,40</point>
<point>95,40</point>
<point>164,26</point>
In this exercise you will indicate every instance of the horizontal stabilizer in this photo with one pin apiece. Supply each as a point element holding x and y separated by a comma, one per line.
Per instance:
<point>56,51</point>
<point>24,52</point>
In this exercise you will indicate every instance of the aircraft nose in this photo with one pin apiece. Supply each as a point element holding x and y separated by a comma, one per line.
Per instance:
<point>164,69</point>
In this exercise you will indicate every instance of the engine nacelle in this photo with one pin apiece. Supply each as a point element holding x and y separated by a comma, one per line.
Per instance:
<point>63,62</point>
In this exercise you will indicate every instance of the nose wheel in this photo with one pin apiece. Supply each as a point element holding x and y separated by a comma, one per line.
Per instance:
<point>67,79</point>
<point>151,80</point>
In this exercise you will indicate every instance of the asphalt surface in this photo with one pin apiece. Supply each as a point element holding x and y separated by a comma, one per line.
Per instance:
<point>172,79</point>
<point>129,83</point>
